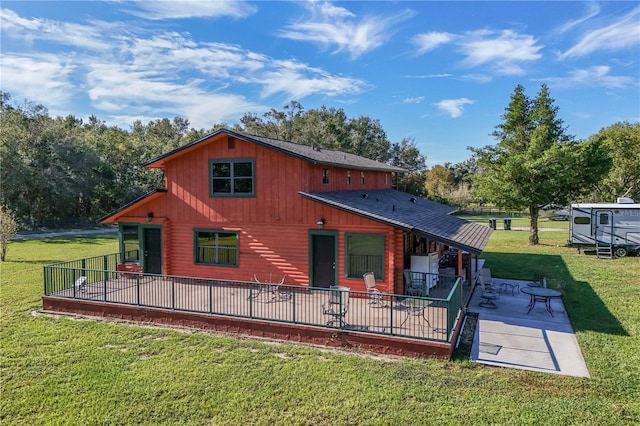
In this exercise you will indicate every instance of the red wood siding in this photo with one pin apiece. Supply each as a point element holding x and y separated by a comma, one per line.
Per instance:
<point>273,226</point>
<point>338,179</point>
<point>276,248</point>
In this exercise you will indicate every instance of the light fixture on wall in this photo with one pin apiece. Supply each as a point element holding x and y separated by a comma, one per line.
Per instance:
<point>149,216</point>
<point>321,222</point>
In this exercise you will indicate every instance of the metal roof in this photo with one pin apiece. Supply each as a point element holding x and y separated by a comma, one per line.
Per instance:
<point>312,154</point>
<point>409,213</point>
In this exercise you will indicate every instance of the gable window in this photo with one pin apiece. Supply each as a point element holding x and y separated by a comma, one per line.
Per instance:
<point>325,176</point>
<point>130,243</point>
<point>216,247</point>
<point>232,178</point>
<point>361,178</point>
<point>348,177</point>
<point>364,253</point>
<point>386,178</point>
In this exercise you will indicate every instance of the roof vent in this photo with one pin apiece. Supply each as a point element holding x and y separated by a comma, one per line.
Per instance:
<point>316,148</point>
<point>365,195</point>
<point>393,208</point>
<point>624,200</point>
<point>413,199</point>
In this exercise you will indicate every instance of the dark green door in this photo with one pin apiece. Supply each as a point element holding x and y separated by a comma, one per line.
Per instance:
<point>152,256</point>
<point>323,263</point>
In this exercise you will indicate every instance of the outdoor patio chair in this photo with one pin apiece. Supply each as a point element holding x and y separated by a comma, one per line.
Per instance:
<point>485,278</point>
<point>375,295</point>
<point>337,306</point>
<point>80,283</point>
<point>415,283</point>
<point>489,295</point>
<point>277,290</point>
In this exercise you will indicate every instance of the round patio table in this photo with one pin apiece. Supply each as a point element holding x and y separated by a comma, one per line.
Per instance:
<point>541,294</point>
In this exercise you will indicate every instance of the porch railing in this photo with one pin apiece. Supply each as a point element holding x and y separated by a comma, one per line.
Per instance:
<point>429,318</point>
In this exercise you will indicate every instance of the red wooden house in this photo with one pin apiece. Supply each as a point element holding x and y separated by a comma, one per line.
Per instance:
<point>238,205</point>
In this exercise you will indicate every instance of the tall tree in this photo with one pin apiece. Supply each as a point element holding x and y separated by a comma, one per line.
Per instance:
<point>535,161</point>
<point>622,141</point>
<point>406,154</point>
<point>439,183</point>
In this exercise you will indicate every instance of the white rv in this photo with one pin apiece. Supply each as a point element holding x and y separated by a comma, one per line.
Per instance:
<point>612,228</point>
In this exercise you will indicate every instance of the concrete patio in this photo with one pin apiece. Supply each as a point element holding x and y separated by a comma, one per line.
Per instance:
<point>508,336</point>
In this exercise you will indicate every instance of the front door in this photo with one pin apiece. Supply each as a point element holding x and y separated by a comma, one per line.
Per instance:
<point>323,259</point>
<point>152,253</point>
<point>604,226</point>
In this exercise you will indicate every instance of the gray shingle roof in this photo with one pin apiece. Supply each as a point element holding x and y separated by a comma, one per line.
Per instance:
<point>409,213</point>
<point>324,156</point>
<point>308,153</point>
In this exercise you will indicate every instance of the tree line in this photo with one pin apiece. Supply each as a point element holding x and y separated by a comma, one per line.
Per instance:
<point>54,169</point>
<point>57,170</point>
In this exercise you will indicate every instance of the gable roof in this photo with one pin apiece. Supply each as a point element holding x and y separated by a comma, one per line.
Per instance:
<point>409,213</point>
<point>312,154</point>
<point>113,216</point>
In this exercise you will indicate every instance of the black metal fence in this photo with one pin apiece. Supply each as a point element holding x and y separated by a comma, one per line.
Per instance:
<point>430,318</point>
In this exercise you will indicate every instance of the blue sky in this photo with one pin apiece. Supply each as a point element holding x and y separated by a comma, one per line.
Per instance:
<point>440,73</point>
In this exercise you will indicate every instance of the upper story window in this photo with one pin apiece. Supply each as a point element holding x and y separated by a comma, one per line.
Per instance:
<point>232,178</point>
<point>361,178</point>
<point>325,176</point>
<point>348,177</point>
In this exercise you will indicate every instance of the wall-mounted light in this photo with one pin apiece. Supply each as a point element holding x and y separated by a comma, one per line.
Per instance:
<point>321,222</point>
<point>149,216</point>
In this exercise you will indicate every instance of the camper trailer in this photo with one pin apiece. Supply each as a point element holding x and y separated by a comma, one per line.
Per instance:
<point>610,228</point>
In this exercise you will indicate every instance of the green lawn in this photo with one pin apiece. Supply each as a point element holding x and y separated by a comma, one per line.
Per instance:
<point>57,370</point>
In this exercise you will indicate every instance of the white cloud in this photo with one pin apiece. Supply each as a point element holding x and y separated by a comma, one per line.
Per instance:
<point>444,75</point>
<point>40,78</point>
<point>298,81</point>
<point>453,107</point>
<point>156,74</point>
<point>621,34</point>
<point>430,41</point>
<point>478,78</point>
<point>335,26</point>
<point>414,100</point>
<point>506,50</point>
<point>68,33</point>
<point>173,9</point>
<point>595,76</point>
<point>593,9</point>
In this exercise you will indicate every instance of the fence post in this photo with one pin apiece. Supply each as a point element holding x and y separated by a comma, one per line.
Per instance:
<point>210,296</point>
<point>392,298</point>
<point>250,300</point>
<point>173,294</point>
<point>138,289</point>
<point>105,266</point>
<point>293,304</point>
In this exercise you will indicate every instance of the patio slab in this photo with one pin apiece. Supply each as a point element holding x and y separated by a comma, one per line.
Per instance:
<point>509,337</point>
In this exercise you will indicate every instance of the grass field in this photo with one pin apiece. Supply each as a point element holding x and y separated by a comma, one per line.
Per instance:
<point>59,370</point>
